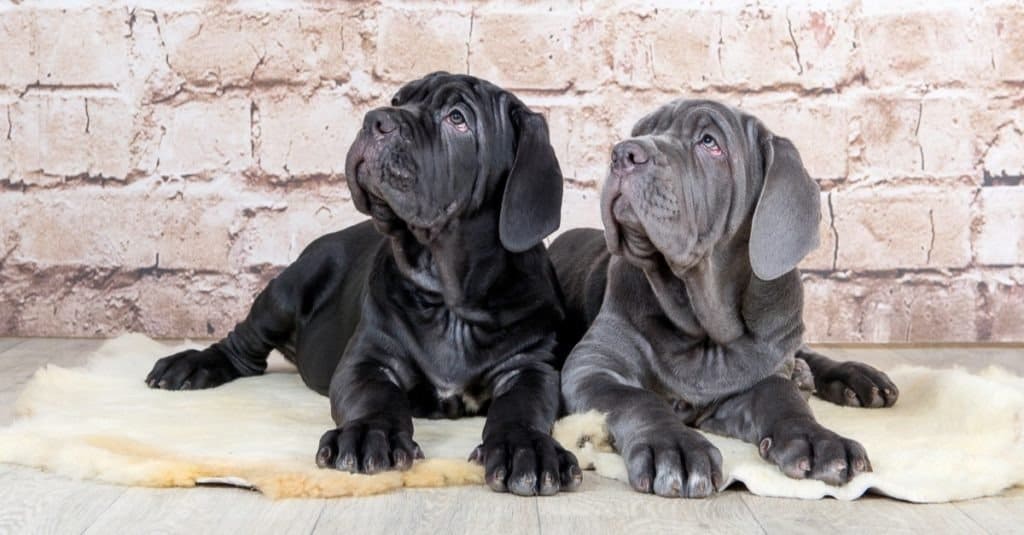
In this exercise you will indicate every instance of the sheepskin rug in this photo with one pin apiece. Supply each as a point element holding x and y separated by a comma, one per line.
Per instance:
<point>951,436</point>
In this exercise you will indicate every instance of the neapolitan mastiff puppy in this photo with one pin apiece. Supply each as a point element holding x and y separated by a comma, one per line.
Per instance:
<point>695,315</point>
<point>443,305</point>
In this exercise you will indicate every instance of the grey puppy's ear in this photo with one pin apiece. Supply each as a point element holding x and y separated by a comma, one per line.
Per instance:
<point>531,207</point>
<point>785,224</point>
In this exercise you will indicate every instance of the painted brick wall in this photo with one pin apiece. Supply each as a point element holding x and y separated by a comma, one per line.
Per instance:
<point>159,164</point>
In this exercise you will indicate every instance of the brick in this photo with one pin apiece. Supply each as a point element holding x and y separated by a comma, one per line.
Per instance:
<point>880,310</point>
<point>666,48</point>
<point>411,43</point>
<point>827,315</point>
<point>207,51</point>
<point>547,50</point>
<point>105,302</point>
<point>210,227</point>
<point>300,136</point>
<point>947,136</point>
<point>110,128</point>
<point>204,136</point>
<point>237,48</point>
<point>903,228</point>
<point>934,136</point>
<point>582,137</point>
<point>277,235</point>
<point>1003,156</point>
<point>806,48</point>
<point>1008,45</point>
<point>200,306</point>
<point>1003,307</point>
<point>94,228</point>
<point>1000,239</point>
<point>698,48</point>
<point>884,135</point>
<point>65,135</point>
<point>18,67</point>
<point>81,47</point>
<point>818,127</point>
<point>898,45</point>
<point>928,309</point>
<point>151,78</point>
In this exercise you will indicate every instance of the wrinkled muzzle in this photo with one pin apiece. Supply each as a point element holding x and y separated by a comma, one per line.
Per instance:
<point>385,172</point>
<point>652,206</point>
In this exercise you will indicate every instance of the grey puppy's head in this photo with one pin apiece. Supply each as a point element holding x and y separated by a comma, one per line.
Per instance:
<point>451,147</point>
<point>697,174</point>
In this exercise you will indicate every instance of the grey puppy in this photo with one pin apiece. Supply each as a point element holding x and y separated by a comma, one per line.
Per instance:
<point>692,315</point>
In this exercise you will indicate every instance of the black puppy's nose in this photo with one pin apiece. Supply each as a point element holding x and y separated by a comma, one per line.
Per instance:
<point>379,122</point>
<point>628,155</point>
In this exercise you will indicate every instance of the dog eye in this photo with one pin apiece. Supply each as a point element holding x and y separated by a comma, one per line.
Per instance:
<point>710,144</point>
<point>456,117</point>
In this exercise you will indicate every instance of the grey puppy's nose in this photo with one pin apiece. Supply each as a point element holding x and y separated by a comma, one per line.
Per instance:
<point>627,156</point>
<point>379,122</point>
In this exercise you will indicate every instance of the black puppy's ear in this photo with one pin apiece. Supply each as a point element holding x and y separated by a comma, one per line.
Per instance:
<point>785,224</point>
<point>531,207</point>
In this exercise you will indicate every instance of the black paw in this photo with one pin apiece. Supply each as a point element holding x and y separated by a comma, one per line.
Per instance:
<point>368,446</point>
<point>675,463</point>
<point>855,384</point>
<point>804,449</point>
<point>527,462</point>
<point>192,370</point>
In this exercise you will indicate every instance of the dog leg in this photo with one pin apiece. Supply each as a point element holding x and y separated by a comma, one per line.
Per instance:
<point>374,421</point>
<point>242,353</point>
<point>662,454</point>
<point>518,453</point>
<point>775,416</point>
<point>849,383</point>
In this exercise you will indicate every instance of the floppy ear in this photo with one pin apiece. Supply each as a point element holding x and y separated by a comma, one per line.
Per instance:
<point>785,224</point>
<point>531,207</point>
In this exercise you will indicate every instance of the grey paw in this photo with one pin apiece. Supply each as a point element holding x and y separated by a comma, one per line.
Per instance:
<point>804,449</point>
<point>674,463</point>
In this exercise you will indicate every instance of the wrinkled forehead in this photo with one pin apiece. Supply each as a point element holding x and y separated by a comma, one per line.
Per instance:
<point>681,118</point>
<point>443,91</point>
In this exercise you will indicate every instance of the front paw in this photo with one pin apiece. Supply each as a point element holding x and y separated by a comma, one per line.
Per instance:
<point>804,449</point>
<point>192,370</point>
<point>675,463</point>
<point>856,384</point>
<point>368,446</point>
<point>527,462</point>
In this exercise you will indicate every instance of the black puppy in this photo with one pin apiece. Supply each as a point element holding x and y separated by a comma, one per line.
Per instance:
<point>694,317</point>
<point>443,306</point>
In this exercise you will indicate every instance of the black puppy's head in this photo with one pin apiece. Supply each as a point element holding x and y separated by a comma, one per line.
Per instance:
<point>693,175</point>
<point>451,146</point>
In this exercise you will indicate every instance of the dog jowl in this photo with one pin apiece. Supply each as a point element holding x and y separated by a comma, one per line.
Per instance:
<point>692,316</point>
<point>441,305</point>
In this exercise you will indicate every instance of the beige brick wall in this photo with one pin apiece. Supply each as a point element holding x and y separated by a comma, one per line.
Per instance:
<point>159,164</point>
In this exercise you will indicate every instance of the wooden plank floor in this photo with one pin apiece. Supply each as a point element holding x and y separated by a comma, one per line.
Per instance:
<point>35,502</point>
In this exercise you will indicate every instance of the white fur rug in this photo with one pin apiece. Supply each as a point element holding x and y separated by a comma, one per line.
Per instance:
<point>951,436</point>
